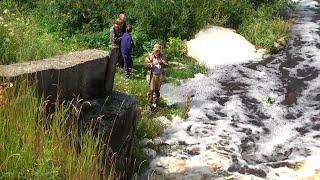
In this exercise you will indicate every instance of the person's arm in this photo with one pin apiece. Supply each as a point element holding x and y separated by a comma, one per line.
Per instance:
<point>132,43</point>
<point>118,37</point>
<point>148,62</point>
<point>112,36</point>
<point>163,61</point>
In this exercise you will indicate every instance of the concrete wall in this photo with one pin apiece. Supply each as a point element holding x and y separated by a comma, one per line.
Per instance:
<point>79,73</point>
<point>83,74</point>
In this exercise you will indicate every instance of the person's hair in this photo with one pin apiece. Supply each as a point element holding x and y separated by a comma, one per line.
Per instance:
<point>129,29</point>
<point>122,14</point>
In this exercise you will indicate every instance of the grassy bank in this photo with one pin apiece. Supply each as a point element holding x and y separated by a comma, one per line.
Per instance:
<point>33,148</point>
<point>31,30</point>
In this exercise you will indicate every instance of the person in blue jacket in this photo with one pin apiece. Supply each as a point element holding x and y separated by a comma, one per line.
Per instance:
<point>126,51</point>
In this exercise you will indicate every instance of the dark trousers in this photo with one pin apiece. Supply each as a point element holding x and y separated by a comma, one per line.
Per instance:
<point>111,69</point>
<point>128,63</point>
<point>120,61</point>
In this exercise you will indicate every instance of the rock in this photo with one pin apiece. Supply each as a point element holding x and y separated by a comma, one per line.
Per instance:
<point>150,153</point>
<point>194,151</point>
<point>215,166</point>
<point>277,46</point>
<point>144,142</point>
<point>176,119</point>
<point>263,53</point>
<point>163,121</point>
<point>116,122</point>
<point>282,41</point>
<point>158,141</point>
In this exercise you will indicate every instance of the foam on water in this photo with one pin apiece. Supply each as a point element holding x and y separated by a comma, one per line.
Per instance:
<point>217,45</point>
<point>254,120</point>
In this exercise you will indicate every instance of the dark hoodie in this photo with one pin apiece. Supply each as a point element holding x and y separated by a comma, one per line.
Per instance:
<point>126,44</point>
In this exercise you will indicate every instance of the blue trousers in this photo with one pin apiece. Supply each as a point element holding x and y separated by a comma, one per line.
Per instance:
<point>128,63</point>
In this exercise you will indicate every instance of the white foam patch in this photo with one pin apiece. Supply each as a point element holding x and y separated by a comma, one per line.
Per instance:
<point>217,45</point>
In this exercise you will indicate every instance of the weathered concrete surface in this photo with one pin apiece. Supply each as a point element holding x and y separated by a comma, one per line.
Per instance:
<point>79,73</point>
<point>116,122</point>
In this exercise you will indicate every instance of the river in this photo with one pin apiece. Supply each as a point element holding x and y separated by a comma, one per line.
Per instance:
<point>255,120</point>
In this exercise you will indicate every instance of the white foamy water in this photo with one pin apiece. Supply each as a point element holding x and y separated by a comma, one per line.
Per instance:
<point>217,45</point>
<point>251,121</point>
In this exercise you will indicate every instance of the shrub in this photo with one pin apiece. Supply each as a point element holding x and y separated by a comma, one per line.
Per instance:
<point>264,26</point>
<point>22,40</point>
<point>176,48</point>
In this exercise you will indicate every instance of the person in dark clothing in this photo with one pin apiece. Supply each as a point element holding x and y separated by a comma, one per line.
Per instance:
<point>122,17</point>
<point>126,51</point>
<point>122,27</point>
<point>115,55</point>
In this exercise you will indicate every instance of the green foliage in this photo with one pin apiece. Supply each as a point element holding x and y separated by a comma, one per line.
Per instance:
<point>98,40</point>
<point>176,48</point>
<point>53,27</point>
<point>22,40</point>
<point>263,26</point>
<point>148,45</point>
<point>85,16</point>
<point>33,148</point>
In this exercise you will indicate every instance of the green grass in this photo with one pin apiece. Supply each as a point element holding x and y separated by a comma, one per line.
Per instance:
<point>32,147</point>
<point>264,26</point>
<point>23,39</point>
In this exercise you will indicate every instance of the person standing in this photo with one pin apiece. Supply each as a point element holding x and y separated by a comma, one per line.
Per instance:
<point>115,39</point>
<point>155,63</point>
<point>122,17</point>
<point>126,51</point>
<point>123,26</point>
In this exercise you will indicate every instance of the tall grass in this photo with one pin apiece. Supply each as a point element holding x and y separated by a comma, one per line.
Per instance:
<point>264,26</point>
<point>32,147</point>
<point>23,39</point>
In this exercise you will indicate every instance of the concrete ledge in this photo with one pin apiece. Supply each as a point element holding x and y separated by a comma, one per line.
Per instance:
<point>78,73</point>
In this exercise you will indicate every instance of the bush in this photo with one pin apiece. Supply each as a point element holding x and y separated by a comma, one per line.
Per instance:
<point>264,26</point>
<point>22,40</point>
<point>85,16</point>
<point>98,40</point>
<point>176,48</point>
<point>86,23</point>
